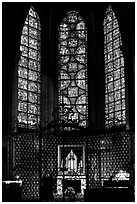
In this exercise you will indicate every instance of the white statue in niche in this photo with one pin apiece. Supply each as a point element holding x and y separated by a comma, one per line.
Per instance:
<point>71,162</point>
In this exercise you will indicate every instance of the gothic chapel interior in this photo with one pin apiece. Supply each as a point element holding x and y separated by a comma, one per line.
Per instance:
<point>68,101</point>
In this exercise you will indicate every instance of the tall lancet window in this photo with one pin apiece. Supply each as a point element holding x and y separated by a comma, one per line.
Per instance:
<point>72,70</point>
<point>114,72</point>
<point>29,82</point>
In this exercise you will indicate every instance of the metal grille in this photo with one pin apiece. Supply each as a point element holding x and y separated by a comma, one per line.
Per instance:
<point>26,164</point>
<point>49,156</point>
<point>105,155</point>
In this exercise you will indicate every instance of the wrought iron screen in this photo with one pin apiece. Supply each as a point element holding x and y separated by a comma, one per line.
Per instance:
<point>106,154</point>
<point>25,163</point>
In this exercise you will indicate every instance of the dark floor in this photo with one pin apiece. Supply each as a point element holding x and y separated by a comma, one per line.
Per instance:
<point>59,198</point>
<point>90,195</point>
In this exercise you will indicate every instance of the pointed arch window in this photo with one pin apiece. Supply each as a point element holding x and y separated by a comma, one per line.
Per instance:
<point>115,110</point>
<point>72,70</point>
<point>29,81</point>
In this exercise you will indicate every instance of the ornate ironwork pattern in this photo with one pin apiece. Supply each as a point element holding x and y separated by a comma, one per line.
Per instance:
<point>29,87</point>
<point>115,154</point>
<point>72,74</point>
<point>26,164</point>
<point>49,156</point>
<point>115,108</point>
<point>107,154</point>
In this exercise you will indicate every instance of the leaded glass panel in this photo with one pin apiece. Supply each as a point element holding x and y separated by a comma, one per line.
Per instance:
<point>114,72</point>
<point>29,87</point>
<point>72,75</point>
<point>22,95</point>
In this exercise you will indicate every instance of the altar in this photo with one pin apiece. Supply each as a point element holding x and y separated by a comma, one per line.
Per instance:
<point>78,184</point>
<point>71,168</point>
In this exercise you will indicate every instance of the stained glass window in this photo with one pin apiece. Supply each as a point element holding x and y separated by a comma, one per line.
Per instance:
<point>114,72</point>
<point>29,80</point>
<point>72,72</point>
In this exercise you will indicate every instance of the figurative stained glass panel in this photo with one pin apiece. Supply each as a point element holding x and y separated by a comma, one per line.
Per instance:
<point>29,73</point>
<point>114,72</point>
<point>72,74</point>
